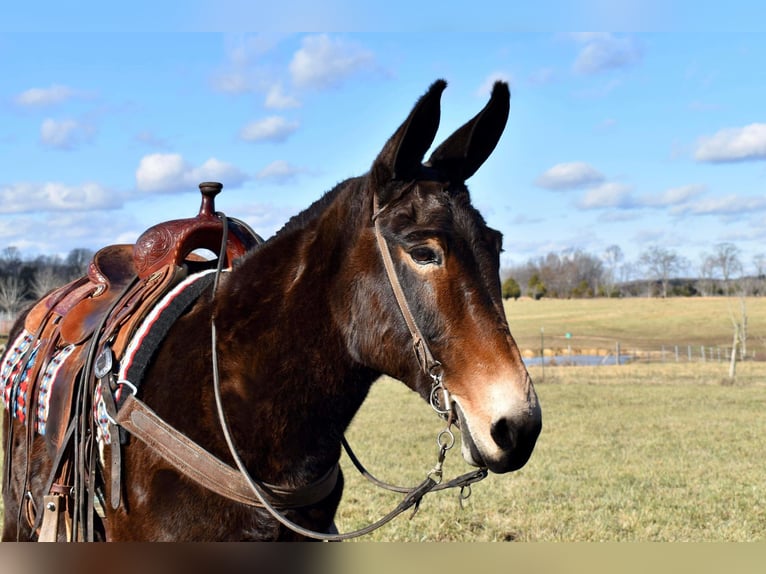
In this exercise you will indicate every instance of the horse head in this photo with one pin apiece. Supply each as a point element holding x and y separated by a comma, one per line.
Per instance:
<point>447,261</point>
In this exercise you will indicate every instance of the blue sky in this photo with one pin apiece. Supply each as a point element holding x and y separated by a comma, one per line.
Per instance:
<point>631,138</point>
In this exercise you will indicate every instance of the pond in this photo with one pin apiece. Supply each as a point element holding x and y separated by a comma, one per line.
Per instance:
<point>578,360</point>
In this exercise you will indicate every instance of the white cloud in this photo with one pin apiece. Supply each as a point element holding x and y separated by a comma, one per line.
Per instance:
<point>733,144</point>
<point>324,62</point>
<point>161,172</point>
<point>725,205</point>
<point>44,96</point>
<point>276,99</point>
<point>170,172</point>
<point>676,195</point>
<point>603,51</point>
<point>279,172</point>
<point>231,83</point>
<point>273,129</point>
<point>571,175</point>
<point>64,134</point>
<point>608,194</point>
<point>28,197</point>
<point>215,170</point>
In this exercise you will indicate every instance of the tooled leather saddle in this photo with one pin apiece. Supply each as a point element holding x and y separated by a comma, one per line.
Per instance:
<point>44,366</point>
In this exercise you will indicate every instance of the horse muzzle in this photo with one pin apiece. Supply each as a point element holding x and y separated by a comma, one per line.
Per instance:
<point>508,444</point>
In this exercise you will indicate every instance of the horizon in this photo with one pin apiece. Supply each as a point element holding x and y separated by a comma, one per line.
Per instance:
<point>628,139</point>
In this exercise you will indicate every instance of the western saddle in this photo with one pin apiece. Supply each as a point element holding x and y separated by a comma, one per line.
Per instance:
<point>104,308</point>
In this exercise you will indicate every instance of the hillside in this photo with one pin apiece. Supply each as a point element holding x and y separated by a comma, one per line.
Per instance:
<point>637,323</point>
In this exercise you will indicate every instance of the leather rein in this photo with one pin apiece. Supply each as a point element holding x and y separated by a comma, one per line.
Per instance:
<point>238,485</point>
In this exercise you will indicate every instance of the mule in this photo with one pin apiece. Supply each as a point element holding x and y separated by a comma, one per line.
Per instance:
<point>305,324</point>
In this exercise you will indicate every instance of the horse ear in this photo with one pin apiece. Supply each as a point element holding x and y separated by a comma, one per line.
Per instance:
<point>402,155</point>
<point>467,149</point>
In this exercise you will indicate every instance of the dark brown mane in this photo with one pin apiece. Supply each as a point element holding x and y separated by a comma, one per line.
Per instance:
<point>300,220</point>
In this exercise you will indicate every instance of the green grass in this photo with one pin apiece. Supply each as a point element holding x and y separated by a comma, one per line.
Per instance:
<point>648,460</point>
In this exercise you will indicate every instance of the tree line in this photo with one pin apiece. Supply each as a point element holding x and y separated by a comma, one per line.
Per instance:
<point>657,272</point>
<point>23,280</point>
<point>572,273</point>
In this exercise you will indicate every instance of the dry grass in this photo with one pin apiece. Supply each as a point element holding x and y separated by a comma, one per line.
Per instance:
<point>637,323</point>
<point>648,460</point>
<point>657,452</point>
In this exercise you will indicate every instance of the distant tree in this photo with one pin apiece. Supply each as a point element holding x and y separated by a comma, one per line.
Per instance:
<point>12,294</point>
<point>10,259</point>
<point>511,289</point>
<point>759,262</point>
<point>660,264</point>
<point>725,258</point>
<point>536,287</point>
<point>612,257</point>
<point>564,274</point>
<point>45,279</point>
<point>706,281</point>
<point>78,260</point>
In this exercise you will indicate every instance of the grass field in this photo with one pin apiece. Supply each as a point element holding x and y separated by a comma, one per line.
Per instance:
<point>630,453</point>
<point>638,452</point>
<point>637,323</point>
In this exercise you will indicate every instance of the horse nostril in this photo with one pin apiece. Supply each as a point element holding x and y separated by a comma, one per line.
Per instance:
<point>504,434</point>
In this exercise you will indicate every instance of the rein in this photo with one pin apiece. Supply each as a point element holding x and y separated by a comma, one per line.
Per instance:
<point>237,484</point>
<point>440,401</point>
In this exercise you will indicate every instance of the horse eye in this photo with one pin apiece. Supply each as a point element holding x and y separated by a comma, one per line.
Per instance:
<point>424,256</point>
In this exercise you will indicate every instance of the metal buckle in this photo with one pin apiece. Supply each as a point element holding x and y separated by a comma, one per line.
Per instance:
<point>103,364</point>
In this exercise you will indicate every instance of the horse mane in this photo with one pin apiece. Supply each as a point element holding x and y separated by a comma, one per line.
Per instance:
<point>299,221</point>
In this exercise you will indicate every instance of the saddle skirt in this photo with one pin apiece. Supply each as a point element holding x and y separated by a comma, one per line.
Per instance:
<point>52,353</point>
<point>42,366</point>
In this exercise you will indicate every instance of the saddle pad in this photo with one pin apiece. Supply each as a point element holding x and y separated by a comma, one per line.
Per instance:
<point>14,380</point>
<point>145,342</point>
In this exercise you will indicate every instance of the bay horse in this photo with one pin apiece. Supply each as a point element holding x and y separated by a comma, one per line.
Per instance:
<point>393,272</point>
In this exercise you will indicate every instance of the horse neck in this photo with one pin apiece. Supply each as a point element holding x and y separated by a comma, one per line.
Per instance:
<point>296,385</point>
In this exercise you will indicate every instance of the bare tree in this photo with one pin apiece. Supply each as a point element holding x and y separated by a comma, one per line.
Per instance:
<point>571,273</point>
<point>45,280</point>
<point>10,259</point>
<point>706,283</point>
<point>759,262</point>
<point>12,294</point>
<point>78,260</point>
<point>612,257</point>
<point>739,323</point>
<point>660,264</point>
<point>725,258</point>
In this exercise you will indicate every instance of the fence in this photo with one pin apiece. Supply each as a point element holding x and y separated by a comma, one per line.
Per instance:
<point>6,322</point>
<point>616,353</point>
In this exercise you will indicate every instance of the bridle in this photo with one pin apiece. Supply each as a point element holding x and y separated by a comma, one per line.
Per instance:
<point>439,398</point>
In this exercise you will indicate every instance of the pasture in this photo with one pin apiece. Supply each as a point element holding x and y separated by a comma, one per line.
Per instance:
<point>639,323</point>
<point>638,452</point>
<point>629,453</point>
